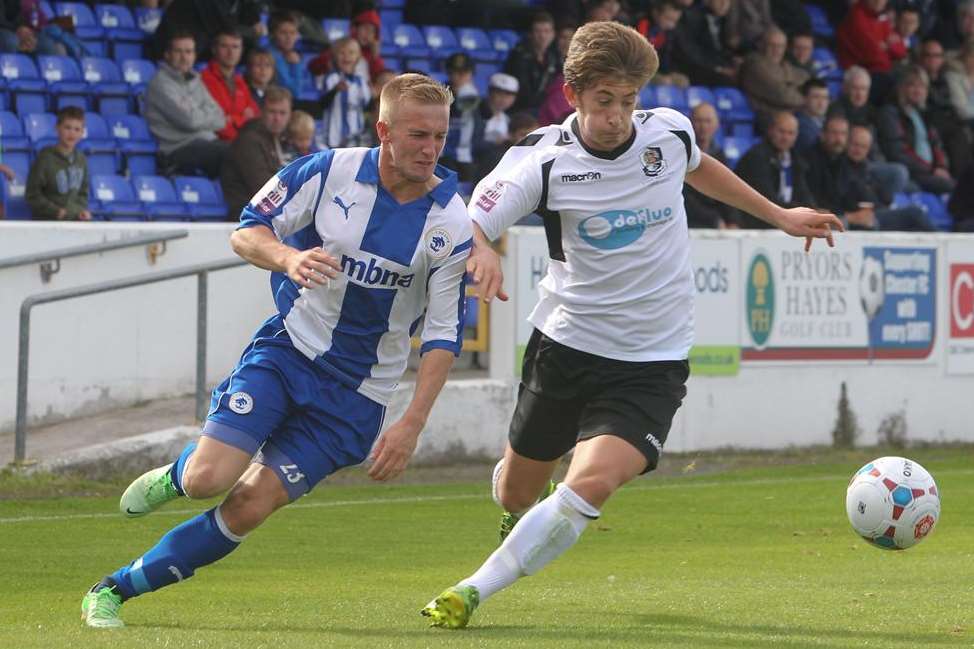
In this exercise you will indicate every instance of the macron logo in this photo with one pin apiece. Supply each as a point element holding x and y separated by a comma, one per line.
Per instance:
<point>374,274</point>
<point>581,178</point>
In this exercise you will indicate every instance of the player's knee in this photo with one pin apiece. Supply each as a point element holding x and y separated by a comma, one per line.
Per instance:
<point>593,489</point>
<point>516,498</point>
<point>249,504</point>
<point>203,480</point>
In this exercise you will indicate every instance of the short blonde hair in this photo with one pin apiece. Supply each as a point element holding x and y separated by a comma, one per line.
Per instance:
<point>300,122</point>
<point>344,42</point>
<point>415,87</point>
<point>603,49</point>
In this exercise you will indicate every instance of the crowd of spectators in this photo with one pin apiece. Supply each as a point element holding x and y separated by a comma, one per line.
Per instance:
<point>244,86</point>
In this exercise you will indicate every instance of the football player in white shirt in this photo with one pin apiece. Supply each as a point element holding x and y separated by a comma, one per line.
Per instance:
<point>604,371</point>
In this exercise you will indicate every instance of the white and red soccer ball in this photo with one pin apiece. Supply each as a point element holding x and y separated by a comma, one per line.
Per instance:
<point>893,503</point>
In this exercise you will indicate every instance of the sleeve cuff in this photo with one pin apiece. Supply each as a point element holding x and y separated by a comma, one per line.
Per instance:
<point>449,345</point>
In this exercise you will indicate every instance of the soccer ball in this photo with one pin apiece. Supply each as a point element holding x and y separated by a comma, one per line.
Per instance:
<point>872,291</point>
<point>893,503</point>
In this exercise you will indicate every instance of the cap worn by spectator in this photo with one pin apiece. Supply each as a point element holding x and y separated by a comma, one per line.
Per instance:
<point>459,62</point>
<point>504,82</point>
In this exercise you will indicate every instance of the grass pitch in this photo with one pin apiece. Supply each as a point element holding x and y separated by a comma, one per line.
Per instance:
<point>753,558</point>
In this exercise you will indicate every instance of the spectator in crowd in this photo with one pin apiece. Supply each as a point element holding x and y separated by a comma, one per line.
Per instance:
<point>534,62</point>
<point>522,123</point>
<point>347,95</point>
<point>18,33</point>
<point>501,93</point>
<point>926,11</point>
<point>866,37</point>
<point>563,38</point>
<point>811,116</point>
<point>181,114</point>
<point>259,73</point>
<point>372,110</point>
<point>57,185</point>
<point>658,27</point>
<point>257,153</point>
<point>960,81</point>
<point>828,177</point>
<point>289,69</point>
<point>602,10</point>
<point>701,51</point>
<point>204,19</point>
<point>854,100</point>
<point>954,133</point>
<point>748,21</point>
<point>773,168</point>
<point>366,26</point>
<point>864,188</point>
<point>555,108</point>
<point>466,135</point>
<point>908,25</point>
<point>703,211</point>
<point>800,49</point>
<point>299,137</point>
<point>771,83</point>
<point>961,203</point>
<point>908,137</point>
<point>226,86</point>
<point>952,34</point>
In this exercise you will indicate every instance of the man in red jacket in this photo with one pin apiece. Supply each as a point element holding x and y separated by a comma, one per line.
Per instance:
<point>228,88</point>
<point>866,37</point>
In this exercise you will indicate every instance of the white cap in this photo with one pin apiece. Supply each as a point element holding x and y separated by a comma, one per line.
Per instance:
<point>504,82</point>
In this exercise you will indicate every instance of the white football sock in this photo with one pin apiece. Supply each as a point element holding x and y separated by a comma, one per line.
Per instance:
<point>545,532</point>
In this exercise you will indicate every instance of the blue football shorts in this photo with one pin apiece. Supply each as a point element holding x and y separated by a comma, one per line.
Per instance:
<point>296,418</point>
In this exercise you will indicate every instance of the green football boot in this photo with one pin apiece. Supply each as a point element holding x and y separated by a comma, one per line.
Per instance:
<point>453,607</point>
<point>99,608</point>
<point>148,492</point>
<point>509,520</point>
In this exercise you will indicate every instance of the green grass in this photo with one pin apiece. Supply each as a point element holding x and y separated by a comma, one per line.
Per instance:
<point>758,557</point>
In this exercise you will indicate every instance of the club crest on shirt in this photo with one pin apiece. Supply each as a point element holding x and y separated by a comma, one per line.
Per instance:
<point>241,403</point>
<point>438,243</point>
<point>652,159</point>
<point>271,196</point>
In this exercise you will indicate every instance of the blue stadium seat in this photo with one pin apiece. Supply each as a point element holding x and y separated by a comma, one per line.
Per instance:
<point>387,46</point>
<point>41,129</point>
<point>476,43</point>
<point>391,4</point>
<point>743,129</point>
<point>820,21</point>
<point>137,73</point>
<point>12,136</point>
<point>85,25</point>
<point>503,41</point>
<point>64,79</point>
<point>390,18</point>
<point>733,105</point>
<point>28,88</point>
<point>15,205</point>
<point>410,41</point>
<point>825,65</point>
<point>647,97</point>
<point>135,143</point>
<point>159,198</point>
<point>98,146</point>
<point>335,28</point>
<point>418,65</point>
<point>700,94</point>
<point>935,209</point>
<point>672,97</point>
<point>901,199</point>
<point>147,19</point>
<point>481,80</point>
<point>201,198</point>
<point>735,147</point>
<point>121,31</point>
<point>112,198</point>
<point>105,80</point>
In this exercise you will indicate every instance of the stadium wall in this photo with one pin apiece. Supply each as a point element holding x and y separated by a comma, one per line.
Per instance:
<point>777,332</point>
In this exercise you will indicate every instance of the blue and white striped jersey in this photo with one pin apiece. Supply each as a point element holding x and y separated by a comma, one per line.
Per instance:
<point>344,120</point>
<point>401,264</point>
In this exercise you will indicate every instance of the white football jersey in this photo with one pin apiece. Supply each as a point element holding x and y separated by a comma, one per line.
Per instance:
<point>619,281</point>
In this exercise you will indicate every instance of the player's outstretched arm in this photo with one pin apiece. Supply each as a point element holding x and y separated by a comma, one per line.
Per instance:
<point>260,246</point>
<point>396,445</point>
<point>484,266</point>
<point>717,181</point>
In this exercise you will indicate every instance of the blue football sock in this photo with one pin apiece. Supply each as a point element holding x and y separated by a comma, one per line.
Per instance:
<point>179,466</point>
<point>196,543</point>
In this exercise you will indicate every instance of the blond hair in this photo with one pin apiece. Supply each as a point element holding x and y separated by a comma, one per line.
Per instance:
<point>300,122</point>
<point>414,87</point>
<point>602,49</point>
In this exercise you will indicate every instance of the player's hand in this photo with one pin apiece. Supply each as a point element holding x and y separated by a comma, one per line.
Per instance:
<point>484,265</point>
<point>394,449</point>
<point>309,268</point>
<point>808,223</point>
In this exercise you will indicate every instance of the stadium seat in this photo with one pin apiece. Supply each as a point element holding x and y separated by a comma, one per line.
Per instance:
<point>742,130</point>
<point>160,199</point>
<point>935,209</point>
<point>137,73</point>
<point>147,19</point>
<point>98,146</point>
<point>733,105</point>
<point>387,46</point>
<point>410,41</point>
<point>734,148</point>
<point>85,26</point>
<point>392,4</point>
<point>672,97</point>
<point>120,30</point>
<point>418,65</point>
<point>63,77</point>
<point>335,28</point>
<point>12,136</point>
<point>700,94</point>
<point>503,41</point>
<point>28,88</point>
<point>105,80</point>
<point>390,18</point>
<point>647,97</point>
<point>112,199</point>
<point>15,205</point>
<point>825,65</point>
<point>476,43</point>
<point>901,199</point>
<point>41,129</point>
<point>820,21</point>
<point>201,198</point>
